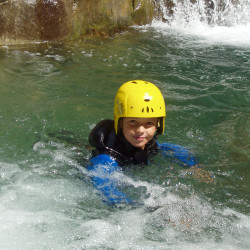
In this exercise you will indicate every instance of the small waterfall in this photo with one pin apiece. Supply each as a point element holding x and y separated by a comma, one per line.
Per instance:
<point>223,21</point>
<point>226,13</point>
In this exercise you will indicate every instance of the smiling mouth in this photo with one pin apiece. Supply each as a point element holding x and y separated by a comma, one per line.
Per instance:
<point>139,138</point>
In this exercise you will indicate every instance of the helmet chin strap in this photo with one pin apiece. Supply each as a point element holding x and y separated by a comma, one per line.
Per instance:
<point>139,99</point>
<point>160,126</point>
<point>156,135</point>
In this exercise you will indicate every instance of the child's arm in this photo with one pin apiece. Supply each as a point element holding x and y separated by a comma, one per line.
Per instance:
<point>102,168</point>
<point>188,160</point>
<point>179,153</point>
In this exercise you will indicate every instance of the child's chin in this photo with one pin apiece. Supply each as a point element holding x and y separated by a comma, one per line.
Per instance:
<point>139,145</point>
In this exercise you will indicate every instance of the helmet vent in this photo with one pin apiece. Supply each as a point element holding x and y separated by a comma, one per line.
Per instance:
<point>134,82</point>
<point>147,97</point>
<point>147,109</point>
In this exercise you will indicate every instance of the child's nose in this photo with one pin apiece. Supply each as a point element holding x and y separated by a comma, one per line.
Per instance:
<point>140,128</point>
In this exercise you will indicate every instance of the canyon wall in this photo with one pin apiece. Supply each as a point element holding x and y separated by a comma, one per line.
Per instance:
<point>65,20</point>
<point>62,20</point>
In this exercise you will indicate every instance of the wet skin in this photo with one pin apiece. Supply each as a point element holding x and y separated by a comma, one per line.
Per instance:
<point>139,131</point>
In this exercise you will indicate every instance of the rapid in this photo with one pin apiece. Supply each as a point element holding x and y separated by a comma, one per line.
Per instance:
<point>53,94</point>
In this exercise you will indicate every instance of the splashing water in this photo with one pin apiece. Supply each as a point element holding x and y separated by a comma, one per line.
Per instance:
<point>218,21</point>
<point>52,95</point>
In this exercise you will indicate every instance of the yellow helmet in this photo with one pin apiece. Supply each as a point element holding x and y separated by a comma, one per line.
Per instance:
<point>139,99</point>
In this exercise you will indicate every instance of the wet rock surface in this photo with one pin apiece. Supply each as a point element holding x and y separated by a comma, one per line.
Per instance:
<point>36,20</point>
<point>64,20</point>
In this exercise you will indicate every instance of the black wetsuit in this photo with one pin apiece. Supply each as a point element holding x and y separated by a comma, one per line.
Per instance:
<point>114,151</point>
<point>105,141</point>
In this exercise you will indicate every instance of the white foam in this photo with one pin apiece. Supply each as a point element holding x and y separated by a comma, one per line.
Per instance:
<point>228,26</point>
<point>53,210</point>
<point>238,35</point>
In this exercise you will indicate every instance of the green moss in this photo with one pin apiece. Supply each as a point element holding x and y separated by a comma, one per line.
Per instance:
<point>143,13</point>
<point>101,17</point>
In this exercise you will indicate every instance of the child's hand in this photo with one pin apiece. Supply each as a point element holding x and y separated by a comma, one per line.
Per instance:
<point>201,174</point>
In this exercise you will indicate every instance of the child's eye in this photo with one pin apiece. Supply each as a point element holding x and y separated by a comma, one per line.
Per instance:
<point>150,123</point>
<point>132,122</point>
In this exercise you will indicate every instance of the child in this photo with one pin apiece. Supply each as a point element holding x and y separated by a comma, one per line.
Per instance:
<point>139,117</point>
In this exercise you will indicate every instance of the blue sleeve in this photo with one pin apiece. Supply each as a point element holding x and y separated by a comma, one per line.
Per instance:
<point>102,168</point>
<point>178,152</point>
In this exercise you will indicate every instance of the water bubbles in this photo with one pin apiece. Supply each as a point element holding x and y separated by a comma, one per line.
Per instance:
<point>86,54</point>
<point>56,57</point>
<point>46,191</point>
<point>220,22</point>
<point>8,170</point>
<point>91,126</point>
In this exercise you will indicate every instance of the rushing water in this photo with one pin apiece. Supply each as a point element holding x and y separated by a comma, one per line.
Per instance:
<point>51,95</point>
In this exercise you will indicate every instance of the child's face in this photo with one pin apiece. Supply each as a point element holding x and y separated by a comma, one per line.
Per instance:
<point>139,131</point>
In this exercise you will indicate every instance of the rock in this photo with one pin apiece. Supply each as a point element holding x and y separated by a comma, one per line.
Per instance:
<point>17,21</point>
<point>100,17</point>
<point>52,19</point>
<point>64,20</point>
<point>143,12</point>
<point>29,20</point>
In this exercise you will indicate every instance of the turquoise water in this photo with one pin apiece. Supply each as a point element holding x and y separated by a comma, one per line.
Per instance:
<point>51,96</point>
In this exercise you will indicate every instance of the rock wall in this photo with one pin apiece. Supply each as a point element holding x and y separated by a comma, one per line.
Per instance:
<point>36,20</point>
